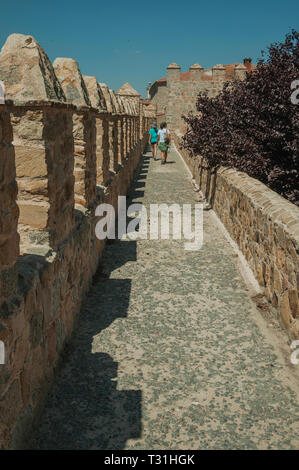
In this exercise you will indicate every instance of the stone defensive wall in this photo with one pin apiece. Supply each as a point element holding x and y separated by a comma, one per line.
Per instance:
<point>67,144</point>
<point>264,225</point>
<point>176,94</point>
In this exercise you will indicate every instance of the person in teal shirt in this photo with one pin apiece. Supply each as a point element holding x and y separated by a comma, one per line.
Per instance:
<point>153,139</point>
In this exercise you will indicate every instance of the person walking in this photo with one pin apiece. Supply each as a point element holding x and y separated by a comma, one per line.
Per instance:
<point>153,139</point>
<point>164,140</point>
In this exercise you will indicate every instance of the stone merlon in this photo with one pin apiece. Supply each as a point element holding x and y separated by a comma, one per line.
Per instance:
<point>95,92</point>
<point>68,73</point>
<point>127,90</point>
<point>27,72</point>
<point>107,97</point>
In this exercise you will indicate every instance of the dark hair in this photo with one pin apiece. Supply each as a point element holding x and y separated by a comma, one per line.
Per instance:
<point>162,125</point>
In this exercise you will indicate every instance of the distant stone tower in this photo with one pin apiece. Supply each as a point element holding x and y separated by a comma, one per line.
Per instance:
<point>173,91</point>
<point>176,94</point>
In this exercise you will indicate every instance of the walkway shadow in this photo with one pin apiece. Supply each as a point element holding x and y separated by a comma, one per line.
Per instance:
<point>116,254</point>
<point>138,183</point>
<point>85,410</point>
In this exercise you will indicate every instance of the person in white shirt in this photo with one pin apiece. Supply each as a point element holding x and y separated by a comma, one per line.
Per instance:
<point>164,139</point>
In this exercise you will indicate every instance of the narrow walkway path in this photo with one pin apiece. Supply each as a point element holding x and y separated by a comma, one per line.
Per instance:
<point>171,352</point>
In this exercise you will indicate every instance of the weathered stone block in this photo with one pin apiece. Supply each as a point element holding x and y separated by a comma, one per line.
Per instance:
<point>30,162</point>
<point>35,215</point>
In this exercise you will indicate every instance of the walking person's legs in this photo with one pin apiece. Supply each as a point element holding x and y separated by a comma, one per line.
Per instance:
<point>154,150</point>
<point>152,145</point>
<point>163,157</point>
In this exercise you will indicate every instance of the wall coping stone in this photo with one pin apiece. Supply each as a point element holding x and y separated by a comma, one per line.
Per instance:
<point>273,205</point>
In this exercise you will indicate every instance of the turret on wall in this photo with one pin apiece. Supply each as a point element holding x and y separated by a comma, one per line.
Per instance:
<point>196,72</point>
<point>218,72</point>
<point>173,73</point>
<point>240,72</point>
<point>173,92</point>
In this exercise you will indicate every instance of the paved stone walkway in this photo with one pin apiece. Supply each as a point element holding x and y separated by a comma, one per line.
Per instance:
<point>171,352</point>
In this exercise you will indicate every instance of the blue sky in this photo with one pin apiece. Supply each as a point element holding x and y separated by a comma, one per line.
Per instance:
<point>134,41</point>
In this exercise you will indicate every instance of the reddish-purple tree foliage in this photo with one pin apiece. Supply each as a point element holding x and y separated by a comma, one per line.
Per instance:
<point>252,125</point>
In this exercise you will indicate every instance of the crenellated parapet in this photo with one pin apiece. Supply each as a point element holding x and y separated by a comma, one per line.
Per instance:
<point>67,143</point>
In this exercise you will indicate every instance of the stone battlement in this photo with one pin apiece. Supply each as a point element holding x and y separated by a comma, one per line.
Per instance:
<point>67,143</point>
<point>176,94</point>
